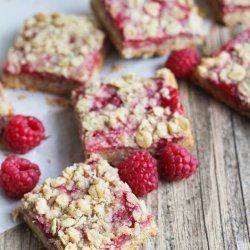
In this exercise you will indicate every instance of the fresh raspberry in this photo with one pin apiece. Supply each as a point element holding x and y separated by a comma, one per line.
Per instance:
<point>182,62</point>
<point>18,176</point>
<point>23,133</point>
<point>140,172</point>
<point>176,163</point>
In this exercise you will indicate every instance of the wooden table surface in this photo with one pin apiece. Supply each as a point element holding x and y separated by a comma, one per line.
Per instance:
<point>211,210</point>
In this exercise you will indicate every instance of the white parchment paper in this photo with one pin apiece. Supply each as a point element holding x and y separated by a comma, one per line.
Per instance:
<point>62,148</point>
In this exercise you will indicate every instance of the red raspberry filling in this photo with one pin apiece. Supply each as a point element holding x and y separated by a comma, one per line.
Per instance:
<point>232,8</point>
<point>109,96</point>
<point>120,18</point>
<point>173,102</point>
<point>18,176</point>
<point>113,138</point>
<point>93,62</point>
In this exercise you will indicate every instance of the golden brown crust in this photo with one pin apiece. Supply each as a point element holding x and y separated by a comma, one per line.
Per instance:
<point>35,229</point>
<point>150,231</point>
<point>61,87</point>
<point>206,85</point>
<point>116,156</point>
<point>146,51</point>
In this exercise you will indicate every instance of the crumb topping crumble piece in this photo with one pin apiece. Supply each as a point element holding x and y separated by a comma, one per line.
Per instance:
<point>146,19</point>
<point>96,214</point>
<point>131,111</point>
<point>230,66</point>
<point>55,43</point>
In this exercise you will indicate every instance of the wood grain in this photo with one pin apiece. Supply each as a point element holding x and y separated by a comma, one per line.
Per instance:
<point>211,210</point>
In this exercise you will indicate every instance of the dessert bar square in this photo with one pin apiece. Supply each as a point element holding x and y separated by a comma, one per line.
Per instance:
<point>226,74</point>
<point>117,116</point>
<point>232,12</point>
<point>146,28</point>
<point>6,110</point>
<point>55,53</point>
<point>88,207</point>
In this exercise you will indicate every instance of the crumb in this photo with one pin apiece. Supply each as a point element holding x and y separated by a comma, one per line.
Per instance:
<point>22,97</point>
<point>49,161</point>
<point>58,102</point>
<point>116,67</point>
<point>15,214</point>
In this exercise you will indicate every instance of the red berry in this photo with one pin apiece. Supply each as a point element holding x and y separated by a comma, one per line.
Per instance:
<point>23,133</point>
<point>176,163</point>
<point>182,62</point>
<point>18,176</point>
<point>140,172</point>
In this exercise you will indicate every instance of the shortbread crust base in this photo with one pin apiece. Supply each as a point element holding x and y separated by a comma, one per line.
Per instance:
<point>38,233</point>
<point>206,85</point>
<point>61,87</point>
<point>145,51</point>
<point>115,156</point>
<point>149,231</point>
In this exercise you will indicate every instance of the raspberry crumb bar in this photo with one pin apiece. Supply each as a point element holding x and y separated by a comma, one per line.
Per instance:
<point>118,116</point>
<point>5,110</point>
<point>232,12</point>
<point>55,53</point>
<point>88,207</point>
<point>226,74</point>
<point>146,28</point>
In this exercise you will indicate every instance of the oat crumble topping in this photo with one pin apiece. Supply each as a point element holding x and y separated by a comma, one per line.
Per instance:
<point>147,19</point>
<point>88,206</point>
<point>130,112</point>
<point>230,66</point>
<point>58,44</point>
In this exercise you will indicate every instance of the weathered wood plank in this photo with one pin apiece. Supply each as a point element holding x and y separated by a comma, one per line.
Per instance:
<point>242,144</point>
